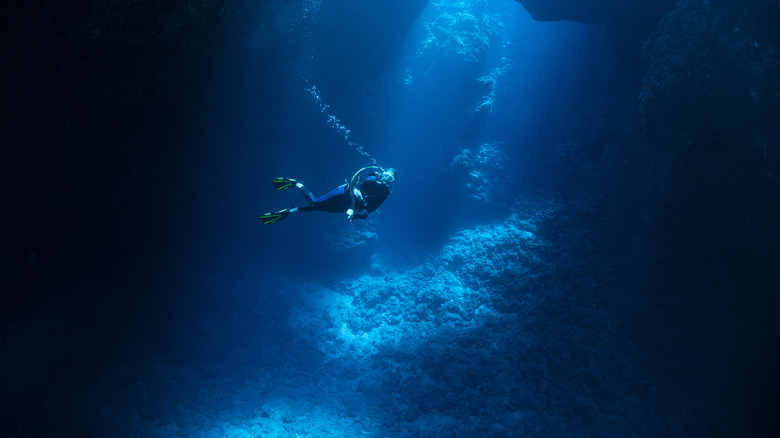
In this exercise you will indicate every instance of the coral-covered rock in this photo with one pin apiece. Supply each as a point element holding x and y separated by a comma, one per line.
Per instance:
<point>358,234</point>
<point>500,256</point>
<point>454,290</point>
<point>480,340</point>
<point>463,30</point>
<point>458,36</point>
<point>481,172</point>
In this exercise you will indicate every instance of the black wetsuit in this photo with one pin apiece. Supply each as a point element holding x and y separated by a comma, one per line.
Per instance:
<point>374,194</point>
<point>339,201</point>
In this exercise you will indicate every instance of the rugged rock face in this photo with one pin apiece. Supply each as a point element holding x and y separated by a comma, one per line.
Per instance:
<point>713,70</point>
<point>712,67</point>
<point>479,171</point>
<point>706,230</point>
<point>710,98</point>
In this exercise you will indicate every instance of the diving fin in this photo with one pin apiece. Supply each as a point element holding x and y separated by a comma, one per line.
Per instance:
<point>272,218</point>
<point>283,183</point>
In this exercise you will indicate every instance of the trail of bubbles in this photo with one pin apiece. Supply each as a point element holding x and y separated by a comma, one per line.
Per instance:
<point>337,125</point>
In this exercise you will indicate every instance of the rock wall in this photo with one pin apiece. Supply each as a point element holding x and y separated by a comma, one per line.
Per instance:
<point>684,195</point>
<point>713,70</point>
<point>710,99</point>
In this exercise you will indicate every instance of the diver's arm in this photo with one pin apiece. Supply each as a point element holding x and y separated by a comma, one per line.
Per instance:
<point>357,201</point>
<point>368,197</point>
<point>359,205</point>
<point>367,188</point>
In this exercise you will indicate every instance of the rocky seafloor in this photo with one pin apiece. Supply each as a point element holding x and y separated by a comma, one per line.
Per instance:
<point>488,337</point>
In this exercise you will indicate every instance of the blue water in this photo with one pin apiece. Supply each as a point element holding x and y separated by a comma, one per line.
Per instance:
<point>420,321</point>
<point>423,113</point>
<point>524,277</point>
<point>316,326</point>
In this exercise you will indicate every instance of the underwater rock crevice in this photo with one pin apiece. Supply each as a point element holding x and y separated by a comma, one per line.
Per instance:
<point>628,22</point>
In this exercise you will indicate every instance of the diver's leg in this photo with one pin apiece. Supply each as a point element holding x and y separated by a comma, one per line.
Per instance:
<point>306,193</point>
<point>335,201</point>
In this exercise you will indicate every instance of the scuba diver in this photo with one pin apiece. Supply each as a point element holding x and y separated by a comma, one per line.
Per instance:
<point>357,198</point>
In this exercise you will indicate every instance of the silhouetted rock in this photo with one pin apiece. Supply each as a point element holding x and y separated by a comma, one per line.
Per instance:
<point>609,12</point>
<point>628,22</point>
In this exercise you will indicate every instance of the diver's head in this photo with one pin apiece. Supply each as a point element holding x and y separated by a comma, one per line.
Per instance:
<point>388,175</point>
